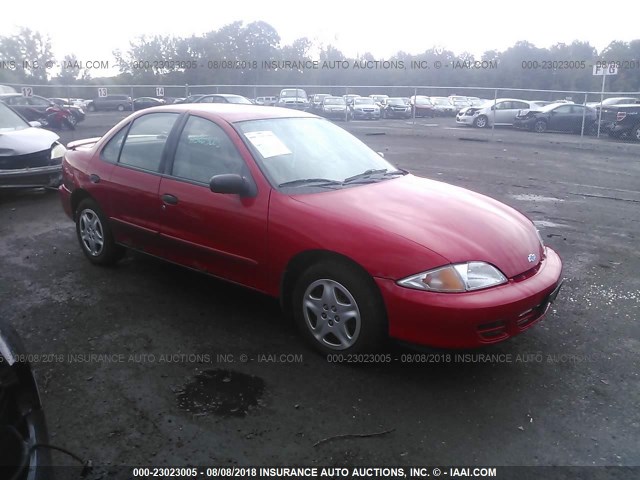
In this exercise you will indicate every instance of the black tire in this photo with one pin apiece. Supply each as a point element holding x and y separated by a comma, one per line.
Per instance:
<point>69,124</point>
<point>353,290</point>
<point>481,122</point>
<point>110,252</point>
<point>635,133</point>
<point>540,126</point>
<point>91,107</point>
<point>121,108</point>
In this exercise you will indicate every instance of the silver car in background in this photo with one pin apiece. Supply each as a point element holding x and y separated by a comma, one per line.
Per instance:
<point>502,111</point>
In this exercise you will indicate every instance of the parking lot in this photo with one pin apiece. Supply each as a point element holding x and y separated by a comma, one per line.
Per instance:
<point>150,363</point>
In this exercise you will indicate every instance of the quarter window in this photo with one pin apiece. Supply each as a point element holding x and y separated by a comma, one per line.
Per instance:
<point>111,151</point>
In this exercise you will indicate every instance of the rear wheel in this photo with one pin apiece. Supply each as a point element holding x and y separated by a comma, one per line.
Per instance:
<point>91,107</point>
<point>121,108</point>
<point>338,309</point>
<point>635,133</point>
<point>540,126</point>
<point>94,234</point>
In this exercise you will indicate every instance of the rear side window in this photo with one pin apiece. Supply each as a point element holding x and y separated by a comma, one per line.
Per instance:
<point>111,151</point>
<point>204,150</point>
<point>146,139</point>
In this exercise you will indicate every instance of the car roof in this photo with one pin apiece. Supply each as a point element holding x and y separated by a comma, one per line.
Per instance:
<point>232,112</point>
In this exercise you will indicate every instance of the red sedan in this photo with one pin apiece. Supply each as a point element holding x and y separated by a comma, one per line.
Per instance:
<point>293,206</point>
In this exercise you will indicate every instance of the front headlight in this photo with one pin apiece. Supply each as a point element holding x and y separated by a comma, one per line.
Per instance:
<point>461,277</point>
<point>57,150</point>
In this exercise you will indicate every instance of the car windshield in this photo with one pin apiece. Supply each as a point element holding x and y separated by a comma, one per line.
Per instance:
<point>10,120</point>
<point>298,149</point>
<point>440,101</point>
<point>422,101</point>
<point>238,99</point>
<point>363,101</point>
<point>395,101</point>
<point>334,101</point>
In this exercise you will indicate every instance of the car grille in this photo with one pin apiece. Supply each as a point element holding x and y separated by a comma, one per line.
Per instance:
<point>31,160</point>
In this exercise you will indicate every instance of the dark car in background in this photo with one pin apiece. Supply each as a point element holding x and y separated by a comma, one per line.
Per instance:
<point>335,108</point>
<point>29,156</point>
<point>316,101</point>
<point>608,102</point>
<point>559,117</point>
<point>35,107</point>
<point>396,107</point>
<point>621,121</point>
<point>422,106</point>
<point>110,102</point>
<point>442,107</point>
<point>141,103</point>
<point>24,452</point>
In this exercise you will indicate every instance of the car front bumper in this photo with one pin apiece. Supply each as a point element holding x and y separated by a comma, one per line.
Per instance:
<point>465,119</point>
<point>471,319</point>
<point>47,176</point>
<point>366,115</point>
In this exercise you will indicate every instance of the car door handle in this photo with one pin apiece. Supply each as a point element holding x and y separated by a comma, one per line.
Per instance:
<point>94,178</point>
<point>169,199</point>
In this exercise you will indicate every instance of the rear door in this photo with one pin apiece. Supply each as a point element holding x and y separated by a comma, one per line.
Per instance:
<point>222,234</point>
<point>135,179</point>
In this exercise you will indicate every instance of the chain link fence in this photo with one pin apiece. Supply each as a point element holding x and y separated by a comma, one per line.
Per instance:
<point>172,93</point>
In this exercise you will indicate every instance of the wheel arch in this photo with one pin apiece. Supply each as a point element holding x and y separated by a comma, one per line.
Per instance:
<point>77,196</point>
<point>303,260</point>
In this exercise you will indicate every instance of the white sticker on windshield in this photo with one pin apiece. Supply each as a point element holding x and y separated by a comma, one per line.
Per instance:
<point>267,143</point>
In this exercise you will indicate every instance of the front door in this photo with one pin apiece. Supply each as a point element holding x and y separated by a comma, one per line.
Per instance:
<point>222,234</point>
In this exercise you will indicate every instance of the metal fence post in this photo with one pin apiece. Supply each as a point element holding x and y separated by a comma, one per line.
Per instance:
<point>584,114</point>
<point>132,109</point>
<point>493,114</point>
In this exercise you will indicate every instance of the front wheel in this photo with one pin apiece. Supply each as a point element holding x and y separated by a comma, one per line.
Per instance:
<point>94,234</point>
<point>339,309</point>
<point>540,126</point>
<point>635,134</point>
<point>481,122</point>
<point>121,108</point>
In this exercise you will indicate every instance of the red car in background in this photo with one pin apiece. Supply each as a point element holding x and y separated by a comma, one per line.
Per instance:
<point>291,205</point>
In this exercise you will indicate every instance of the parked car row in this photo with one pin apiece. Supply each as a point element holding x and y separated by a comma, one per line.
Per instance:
<point>49,113</point>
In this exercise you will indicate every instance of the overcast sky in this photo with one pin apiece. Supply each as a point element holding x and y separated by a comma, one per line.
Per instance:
<point>93,29</point>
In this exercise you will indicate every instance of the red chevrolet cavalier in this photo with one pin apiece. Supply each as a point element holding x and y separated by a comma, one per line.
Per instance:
<point>291,205</point>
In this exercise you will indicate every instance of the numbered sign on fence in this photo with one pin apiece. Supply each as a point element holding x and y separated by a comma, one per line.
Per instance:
<point>159,91</point>
<point>102,92</point>
<point>27,91</point>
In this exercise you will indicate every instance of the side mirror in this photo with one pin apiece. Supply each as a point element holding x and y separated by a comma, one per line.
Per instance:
<point>35,124</point>
<point>230,183</point>
<point>381,154</point>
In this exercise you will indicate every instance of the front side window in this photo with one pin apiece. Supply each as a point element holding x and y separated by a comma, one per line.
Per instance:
<point>146,139</point>
<point>204,150</point>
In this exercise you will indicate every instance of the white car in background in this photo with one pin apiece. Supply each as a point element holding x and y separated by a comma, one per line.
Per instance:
<point>502,111</point>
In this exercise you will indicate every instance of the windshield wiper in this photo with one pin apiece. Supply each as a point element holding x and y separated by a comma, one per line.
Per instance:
<point>306,181</point>
<point>368,173</point>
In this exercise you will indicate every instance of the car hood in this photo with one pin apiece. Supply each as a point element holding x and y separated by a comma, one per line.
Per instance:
<point>458,224</point>
<point>25,141</point>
